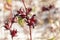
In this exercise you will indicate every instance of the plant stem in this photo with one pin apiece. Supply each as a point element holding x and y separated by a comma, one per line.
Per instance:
<point>24,4</point>
<point>30,33</point>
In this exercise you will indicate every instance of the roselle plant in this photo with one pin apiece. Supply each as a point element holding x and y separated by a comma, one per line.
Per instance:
<point>22,14</point>
<point>8,27</point>
<point>47,8</point>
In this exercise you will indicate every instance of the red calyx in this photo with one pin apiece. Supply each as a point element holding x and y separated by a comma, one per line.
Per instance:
<point>31,21</point>
<point>51,6</point>
<point>22,13</point>
<point>7,26</point>
<point>13,33</point>
<point>28,10</point>
<point>45,9</point>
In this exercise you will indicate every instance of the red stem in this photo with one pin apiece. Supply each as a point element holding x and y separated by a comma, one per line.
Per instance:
<point>30,26</point>
<point>30,33</point>
<point>24,4</point>
<point>30,2</point>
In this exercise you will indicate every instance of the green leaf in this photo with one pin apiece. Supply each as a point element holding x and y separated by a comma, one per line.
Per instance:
<point>21,21</point>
